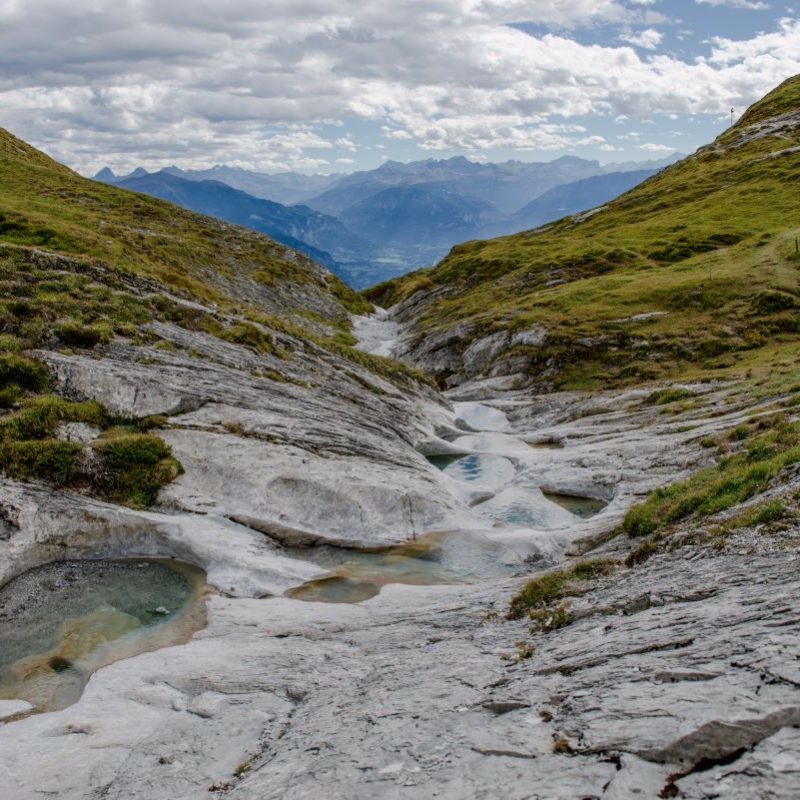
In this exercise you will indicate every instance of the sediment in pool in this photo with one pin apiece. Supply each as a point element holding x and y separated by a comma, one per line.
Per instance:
<point>583,507</point>
<point>62,621</point>
<point>438,558</point>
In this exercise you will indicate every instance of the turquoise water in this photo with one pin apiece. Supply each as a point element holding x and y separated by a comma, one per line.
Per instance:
<point>62,621</point>
<point>583,507</point>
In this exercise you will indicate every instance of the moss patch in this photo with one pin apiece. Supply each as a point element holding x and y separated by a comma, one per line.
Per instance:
<point>126,465</point>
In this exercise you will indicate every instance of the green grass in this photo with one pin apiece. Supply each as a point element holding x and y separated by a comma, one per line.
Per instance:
<point>134,468</point>
<point>708,243</point>
<point>736,478</point>
<point>19,374</point>
<point>39,417</point>
<point>127,464</point>
<point>671,394</point>
<point>763,513</point>
<point>44,204</point>
<point>540,593</point>
<point>46,303</point>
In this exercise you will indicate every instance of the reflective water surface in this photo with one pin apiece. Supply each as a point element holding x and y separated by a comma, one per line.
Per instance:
<point>62,621</point>
<point>433,558</point>
<point>583,507</point>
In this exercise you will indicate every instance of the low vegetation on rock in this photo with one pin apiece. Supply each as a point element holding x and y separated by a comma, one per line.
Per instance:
<point>539,594</point>
<point>766,447</point>
<point>122,460</point>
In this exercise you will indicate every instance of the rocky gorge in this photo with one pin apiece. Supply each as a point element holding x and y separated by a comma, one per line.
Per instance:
<point>677,676</point>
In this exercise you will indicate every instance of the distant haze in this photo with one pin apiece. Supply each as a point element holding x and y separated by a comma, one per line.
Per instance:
<point>371,225</point>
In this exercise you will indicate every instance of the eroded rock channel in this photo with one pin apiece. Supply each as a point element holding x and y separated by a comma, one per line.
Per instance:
<point>414,517</point>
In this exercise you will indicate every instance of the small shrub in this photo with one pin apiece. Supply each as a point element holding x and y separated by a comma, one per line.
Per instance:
<point>134,468</point>
<point>9,396</point>
<point>541,592</point>
<point>739,433</point>
<point>242,769</point>
<point>25,373</point>
<point>639,521</point>
<point>561,745</point>
<point>73,334</point>
<point>594,568</point>
<point>524,651</point>
<point>770,302</point>
<point>772,511</point>
<point>760,514</point>
<point>40,417</point>
<point>250,335</point>
<point>551,619</point>
<point>46,460</point>
<point>671,394</point>
<point>537,593</point>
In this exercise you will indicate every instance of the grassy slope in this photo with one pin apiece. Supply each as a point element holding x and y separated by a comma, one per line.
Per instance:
<point>708,242</point>
<point>83,262</point>
<point>45,204</point>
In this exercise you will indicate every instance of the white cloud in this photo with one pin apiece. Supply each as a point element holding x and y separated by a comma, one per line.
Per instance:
<point>652,147</point>
<point>198,82</point>
<point>648,39</point>
<point>755,5</point>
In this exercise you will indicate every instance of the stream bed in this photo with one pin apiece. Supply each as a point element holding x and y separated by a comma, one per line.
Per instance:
<point>434,558</point>
<point>62,621</point>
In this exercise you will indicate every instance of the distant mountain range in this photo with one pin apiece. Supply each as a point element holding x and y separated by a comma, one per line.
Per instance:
<point>319,236</point>
<point>372,225</point>
<point>570,198</point>
<point>507,186</point>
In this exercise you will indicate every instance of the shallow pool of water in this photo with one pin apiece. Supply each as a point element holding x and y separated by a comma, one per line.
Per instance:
<point>444,461</point>
<point>486,470</point>
<point>61,622</point>
<point>434,558</point>
<point>583,507</point>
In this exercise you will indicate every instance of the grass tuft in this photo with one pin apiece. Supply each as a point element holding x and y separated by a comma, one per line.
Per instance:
<point>539,593</point>
<point>733,480</point>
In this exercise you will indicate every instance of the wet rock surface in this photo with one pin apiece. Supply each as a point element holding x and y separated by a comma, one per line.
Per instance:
<point>676,677</point>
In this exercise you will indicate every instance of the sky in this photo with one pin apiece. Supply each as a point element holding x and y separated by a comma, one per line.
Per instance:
<point>340,85</point>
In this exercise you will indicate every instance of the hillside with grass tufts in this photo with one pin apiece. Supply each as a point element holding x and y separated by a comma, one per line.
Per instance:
<point>695,272</point>
<point>87,268</point>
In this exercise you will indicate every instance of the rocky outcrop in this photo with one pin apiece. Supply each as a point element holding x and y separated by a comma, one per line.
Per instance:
<point>419,691</point>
